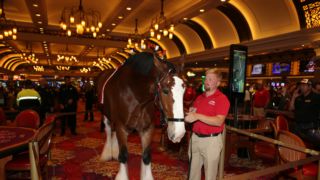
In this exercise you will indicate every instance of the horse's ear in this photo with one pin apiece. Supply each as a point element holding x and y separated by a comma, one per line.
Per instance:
<point>180,66</point>
<point>157,62</point>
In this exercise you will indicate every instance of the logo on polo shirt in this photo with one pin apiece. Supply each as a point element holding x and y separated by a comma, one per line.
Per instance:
<point>212,103</point>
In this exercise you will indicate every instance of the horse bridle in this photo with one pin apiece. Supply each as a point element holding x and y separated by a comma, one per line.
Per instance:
<point>163,119</point>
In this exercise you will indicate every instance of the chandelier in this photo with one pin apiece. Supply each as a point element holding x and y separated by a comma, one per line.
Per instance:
<point>77,20</point>
<point>160,27</point>
<point>136,40</point>
<point>8,29</point>
<point>103,63</point>
<point>28,55</point>
<point>85,70</point>
<point>63,56</point>
<point>63,68</point>
<point>38,68</point>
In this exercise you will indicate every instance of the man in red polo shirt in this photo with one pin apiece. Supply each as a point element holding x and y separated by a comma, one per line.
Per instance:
<point>261,99</point>
<point>207,115</point>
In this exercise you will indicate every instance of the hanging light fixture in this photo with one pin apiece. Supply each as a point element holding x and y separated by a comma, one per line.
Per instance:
<point>64,56</point>
<point>28,55</point>
<point>8,29</point>
<point>160,27</point>
<point>38,68</point>
<point>75,20</point>
<point>135,40</point>
<point>102,62</point>
<point>85,70</point>
<point>63,68</point>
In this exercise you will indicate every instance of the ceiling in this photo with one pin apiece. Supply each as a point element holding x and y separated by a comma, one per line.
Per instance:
<point>217,27</point>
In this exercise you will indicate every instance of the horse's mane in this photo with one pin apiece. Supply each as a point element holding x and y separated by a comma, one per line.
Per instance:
<point>143,63</point>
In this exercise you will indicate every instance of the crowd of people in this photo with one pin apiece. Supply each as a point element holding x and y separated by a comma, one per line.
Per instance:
<point>44,99</point>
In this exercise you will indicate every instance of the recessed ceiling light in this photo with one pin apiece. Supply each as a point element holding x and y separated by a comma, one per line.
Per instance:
<point>129,8</point>
<point>35,5</point>
<point>201,10</point>
<point>108,30</point>
<point>39,22</point>
<point>113,24</point>
<point>38,15</point>
<point>185,18</point>
<point>120,17</point>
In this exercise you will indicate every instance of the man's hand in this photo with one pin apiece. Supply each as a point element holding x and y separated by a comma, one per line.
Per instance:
<point>191,117</point>
<point>296,93</point>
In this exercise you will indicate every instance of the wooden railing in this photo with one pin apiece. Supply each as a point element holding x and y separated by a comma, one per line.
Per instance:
<point>274,169</point>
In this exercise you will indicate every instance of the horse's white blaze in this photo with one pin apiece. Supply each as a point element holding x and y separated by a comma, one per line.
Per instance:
<point>177,93</point>
<point>107,151</point>
<point>123,172</point>
<point>146,173</point>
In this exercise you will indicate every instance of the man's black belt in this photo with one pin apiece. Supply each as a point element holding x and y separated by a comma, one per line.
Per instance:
<point>207,135</point>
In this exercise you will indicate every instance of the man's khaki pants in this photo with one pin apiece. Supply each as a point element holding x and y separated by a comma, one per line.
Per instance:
<point>204,151</point>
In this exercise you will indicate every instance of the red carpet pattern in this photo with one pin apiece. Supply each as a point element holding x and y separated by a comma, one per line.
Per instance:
<point>77,157</point>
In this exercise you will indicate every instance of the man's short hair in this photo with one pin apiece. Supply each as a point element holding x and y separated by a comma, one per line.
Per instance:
<point>215,71</point>
<point>28,83</point>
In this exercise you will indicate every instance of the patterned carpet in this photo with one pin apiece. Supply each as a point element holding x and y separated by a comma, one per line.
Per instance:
<point>77,157</point>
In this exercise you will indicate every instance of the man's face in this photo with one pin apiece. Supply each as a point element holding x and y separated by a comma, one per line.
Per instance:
<point>67,80</point>
<point>318,87</point>
<point>211,82</point>
<point>304,88</point>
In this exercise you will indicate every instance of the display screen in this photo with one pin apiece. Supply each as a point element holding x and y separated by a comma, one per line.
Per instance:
<point>258,69</point>
<point>239,70</point>
<point>307,66</point>
<point>280,68</point>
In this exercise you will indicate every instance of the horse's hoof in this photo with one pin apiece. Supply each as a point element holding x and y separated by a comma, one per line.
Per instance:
<point>121,177</point>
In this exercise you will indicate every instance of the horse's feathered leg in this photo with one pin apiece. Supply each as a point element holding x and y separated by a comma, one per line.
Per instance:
<point>115,146</point>
<point>106,154</point>
<point>123,154</point>
<point>146,173</point>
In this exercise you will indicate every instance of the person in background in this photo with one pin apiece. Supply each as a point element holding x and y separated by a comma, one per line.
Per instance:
<point>260,100</point>
<point>316,88</point>
<point>28,97</point>
<point>68,98</point>
<point>47,97</point>
<point>89,95</point>
<point>247,101</point>
<point>208,117</point>
<point>189,96</point>
<point>305,105</point>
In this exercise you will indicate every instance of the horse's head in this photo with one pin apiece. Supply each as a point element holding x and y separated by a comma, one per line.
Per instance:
<point>171,88</point>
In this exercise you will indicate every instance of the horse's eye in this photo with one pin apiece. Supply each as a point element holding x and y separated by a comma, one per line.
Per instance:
<point>165,91</point>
